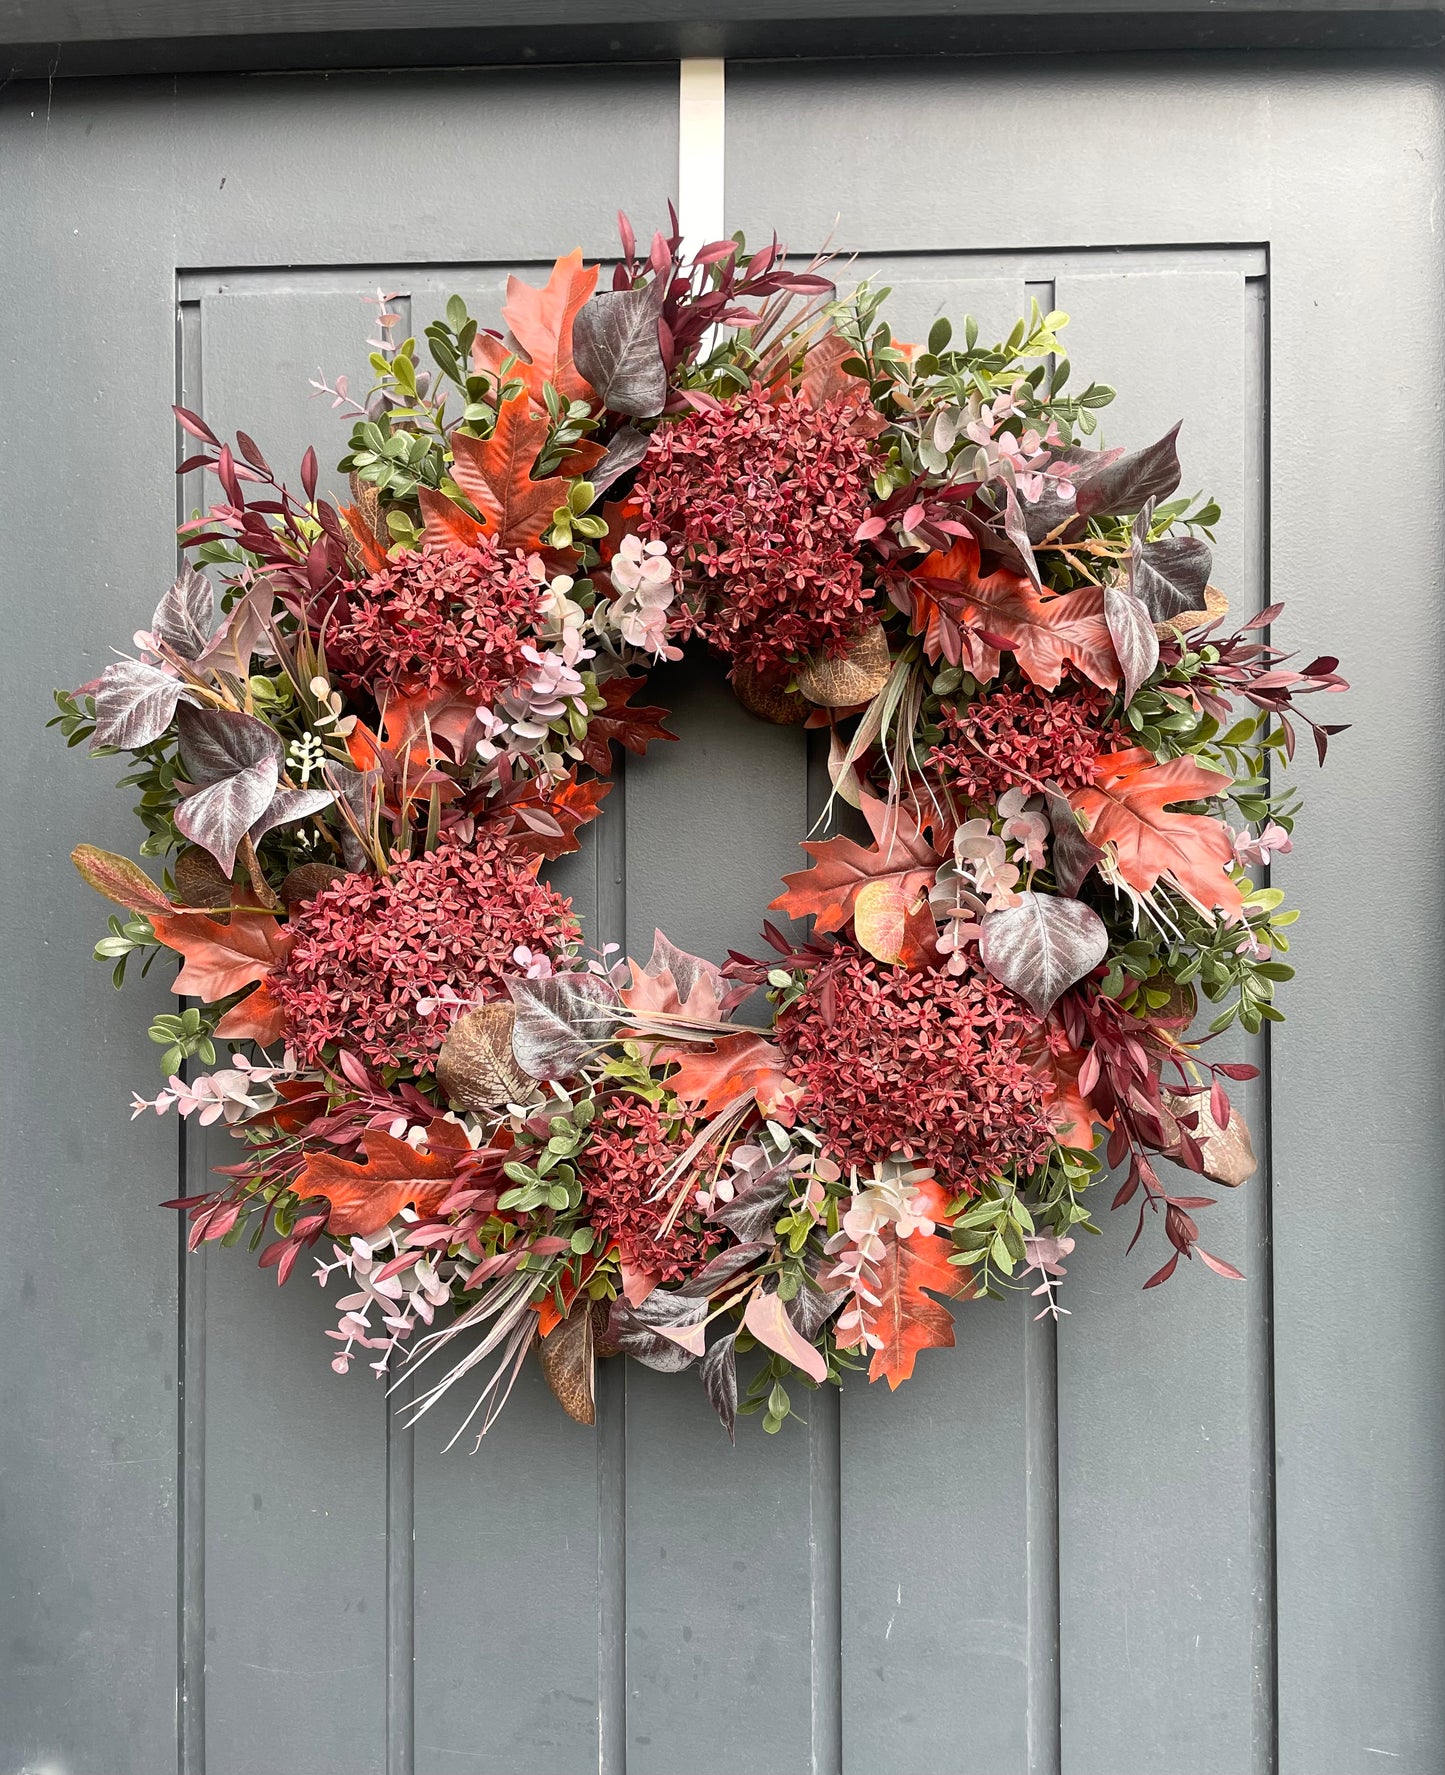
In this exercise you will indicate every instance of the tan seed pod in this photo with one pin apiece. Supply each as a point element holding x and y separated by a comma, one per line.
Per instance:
<point>1228,1152</point>
<point>1216,605</point>
<point>569,1362</point>
<point>306,881</point>
<point>768,701</point>
<point>201,881</point>
<point>476,1067</point>
<point>853,678</point>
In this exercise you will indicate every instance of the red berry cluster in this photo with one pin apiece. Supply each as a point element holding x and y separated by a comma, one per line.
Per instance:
<point>632,1145</point>
<point>1023,737</point>
<point>759,500</point>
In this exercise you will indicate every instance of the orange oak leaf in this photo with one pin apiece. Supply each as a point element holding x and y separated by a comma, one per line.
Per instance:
<point>368,548</point>
<point>713,1076</point>
<point>1125,809</point>
<point>1044,634</point>
<point>562,807</point>
<point>634,728</point>
<point>540,322</point>
<point>444,520</point>
<point>495,474</point>
<point>841,868</point>
<point>222,958</point>
<point>257,1018</point>
<point>1072,1115</point>
<point>364,1198</point>
<point>908,1320</point>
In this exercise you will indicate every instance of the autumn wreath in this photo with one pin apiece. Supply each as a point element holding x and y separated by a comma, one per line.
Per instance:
<point>405,705</point>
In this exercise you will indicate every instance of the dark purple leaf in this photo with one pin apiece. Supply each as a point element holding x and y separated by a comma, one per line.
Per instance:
<point>627,449</point>
<point>183,617</point>
<point>134,704</point>
<point>751,1213</point>
<point>812,1307</point>
<point>1017,531</point>
<point>720,1378</point>
<point>615,346</point>
<point>1131,629</point>
<point>289,805</point>
<point>357,790</point>
<point>561,1022</point>
<point>217,743</point>
<point>1124,485</point>
<point>633,1329</point>
<point>1040,947</point>
<point>715,1275</point>
<point>218,817</point>
<point>1074,855</point>
<point>1170,576</point>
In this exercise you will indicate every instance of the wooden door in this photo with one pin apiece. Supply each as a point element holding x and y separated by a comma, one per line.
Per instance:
<point>1192,1531</point>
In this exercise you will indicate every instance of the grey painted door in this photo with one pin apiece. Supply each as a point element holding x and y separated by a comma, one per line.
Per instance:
<point>1196,1532</point>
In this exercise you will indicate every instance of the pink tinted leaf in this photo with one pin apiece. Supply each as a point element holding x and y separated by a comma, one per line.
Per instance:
<point>1218,1265</point>
<point>1163,1275</point>
<point>769,1323</point>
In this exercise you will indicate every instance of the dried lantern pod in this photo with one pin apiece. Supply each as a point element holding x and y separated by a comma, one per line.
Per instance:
<point>851,679</point>
<point>770,702</point>
<point>476,1067</point>
<point>1228,1152</point>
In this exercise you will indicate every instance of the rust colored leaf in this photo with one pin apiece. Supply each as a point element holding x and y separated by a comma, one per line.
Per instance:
<point>634,728</point>
<point>910,1320</point>
<point>223,958</point>
<point>495,474</point>
<point>541,322</point>
<point>841,868</point>
<point>1044,634</point>
<point>714,1075</point>
<point>893,927</point>
<point>444,520</point>
<point>257,1018</point>
<point>1126,808</point>
<point>396,1175</point>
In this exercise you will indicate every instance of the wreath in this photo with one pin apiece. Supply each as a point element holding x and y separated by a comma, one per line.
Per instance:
<point>491,1140</point>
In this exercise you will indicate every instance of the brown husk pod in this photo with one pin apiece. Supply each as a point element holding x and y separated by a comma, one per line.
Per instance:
<point>853,677</point>
<point>203,883</point>
<point>1228,1152</point>
<point>1216,606</point>
<point>306,881</point>
<point>476,1067</point>
<point>568,1355</point>
<point>770,702</point>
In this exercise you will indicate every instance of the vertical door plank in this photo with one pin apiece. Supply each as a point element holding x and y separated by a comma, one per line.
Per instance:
<point>88,1262</point>
<point>718,1567</point>
<point>915,1594</point>
<point>295,1564</point>
<point>1164,1447</point>
<point>506,1634</point>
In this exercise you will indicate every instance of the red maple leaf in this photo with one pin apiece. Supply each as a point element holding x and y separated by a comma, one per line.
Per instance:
<point>257,1018</point>
<point>540,322</point>
<point>223,958</point>
<point>543,821</point>
<point>841,868</point>
<point>364,1198</point>
<point>445,521</point>
<point>634,728</point>
<point>1044,634</point>
<point>495,473</point>
<point>908,1320</point>
<point>1125,808</point>
<point>1073,1116</point>
<point>711,1077</point>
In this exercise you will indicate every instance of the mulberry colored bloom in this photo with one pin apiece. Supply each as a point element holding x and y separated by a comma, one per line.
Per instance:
<point>926,1063</point>
<point>451,615</point>
<point>1020,738</point>
<point>759,502</point>
<point>632,1145</point>
<point>368,948</point>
